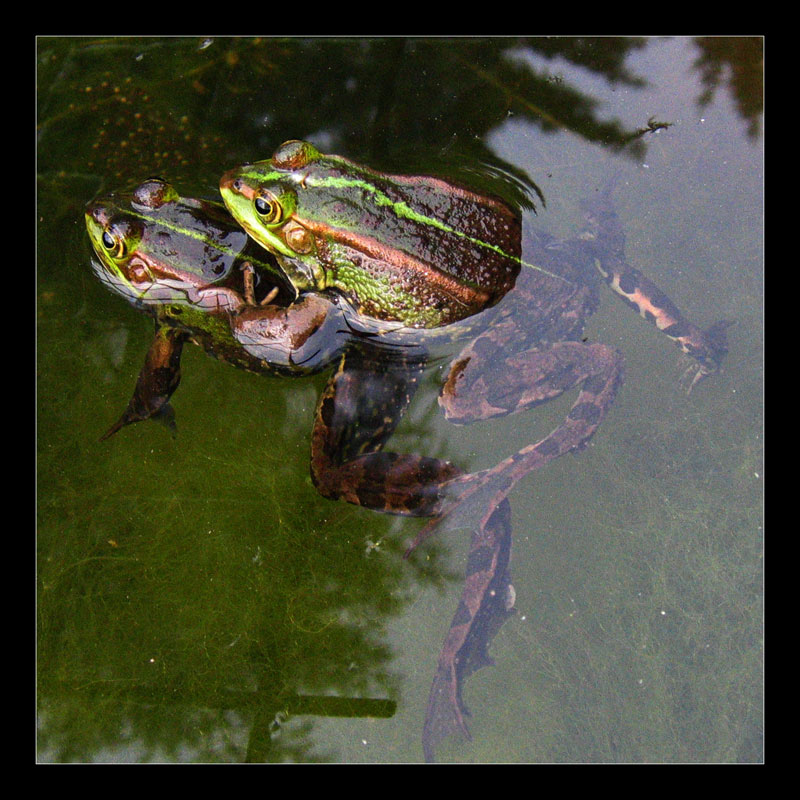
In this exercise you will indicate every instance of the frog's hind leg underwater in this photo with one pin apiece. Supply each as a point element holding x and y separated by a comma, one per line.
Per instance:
<point>599,371</point>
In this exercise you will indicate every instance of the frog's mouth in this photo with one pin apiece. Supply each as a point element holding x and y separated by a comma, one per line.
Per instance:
<point>145,293</point>
<point>115,282</point>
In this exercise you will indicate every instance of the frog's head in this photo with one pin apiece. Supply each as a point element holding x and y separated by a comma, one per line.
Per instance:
<point>116,236</point>
<point>155,248</point>
<point>263,198</point>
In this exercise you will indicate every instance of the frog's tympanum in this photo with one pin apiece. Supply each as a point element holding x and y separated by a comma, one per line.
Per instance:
<point>367,273</point>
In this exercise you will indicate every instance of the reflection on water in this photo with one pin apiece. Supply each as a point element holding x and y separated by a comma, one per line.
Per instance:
<point>738,65</point>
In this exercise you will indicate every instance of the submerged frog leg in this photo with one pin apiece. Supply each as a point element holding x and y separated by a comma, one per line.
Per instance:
<point>356,414</point>
<point>158,379</point>
<point>706,347</point>
<point>480,386</point>
<point>487,601</point>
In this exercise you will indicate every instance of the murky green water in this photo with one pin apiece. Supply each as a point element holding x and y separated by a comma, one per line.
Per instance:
<point>192,590</point>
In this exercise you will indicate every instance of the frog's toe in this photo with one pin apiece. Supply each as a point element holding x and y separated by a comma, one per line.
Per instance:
<point>706,358</point>
<point>693,373</point>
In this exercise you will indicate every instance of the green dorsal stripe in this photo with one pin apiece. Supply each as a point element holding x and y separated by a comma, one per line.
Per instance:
<point>400,208</point>
<point>199,237</point>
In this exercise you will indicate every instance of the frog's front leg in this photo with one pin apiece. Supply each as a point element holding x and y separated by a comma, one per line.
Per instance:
<point>248,272</point>
<point>294,340</point>
<point>158,379</point>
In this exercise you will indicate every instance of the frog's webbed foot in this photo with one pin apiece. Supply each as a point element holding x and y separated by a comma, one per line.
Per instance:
<point>157,381</point>
<point>692,374</point>
<point>487,601</point>
<point>704,352</point>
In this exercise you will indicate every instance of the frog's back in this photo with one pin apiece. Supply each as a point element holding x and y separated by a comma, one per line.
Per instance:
<point>436,237</point>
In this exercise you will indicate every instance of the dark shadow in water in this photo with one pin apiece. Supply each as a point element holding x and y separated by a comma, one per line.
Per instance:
<point>736,63</point>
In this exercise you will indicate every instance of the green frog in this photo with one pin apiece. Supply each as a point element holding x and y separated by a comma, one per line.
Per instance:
<point>370,273</point>
<point>187,264</point>
<point>416,253</point>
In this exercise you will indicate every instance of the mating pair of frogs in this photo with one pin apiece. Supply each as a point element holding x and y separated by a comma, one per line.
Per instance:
<point>316,261</point>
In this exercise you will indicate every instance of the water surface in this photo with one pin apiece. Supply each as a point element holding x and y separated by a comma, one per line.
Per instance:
<point>198,601</point>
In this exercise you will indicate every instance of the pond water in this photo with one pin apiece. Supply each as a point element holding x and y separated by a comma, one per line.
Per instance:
<point>198,601</point>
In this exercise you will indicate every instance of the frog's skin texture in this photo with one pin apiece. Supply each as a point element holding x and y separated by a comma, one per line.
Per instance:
<point>187,264</point>
<point>401,248</point>
<point>521,350</point>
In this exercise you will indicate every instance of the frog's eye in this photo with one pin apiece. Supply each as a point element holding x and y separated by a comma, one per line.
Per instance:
<point>121,238</point>
<point>114,242</point>
<point>268,208</point>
